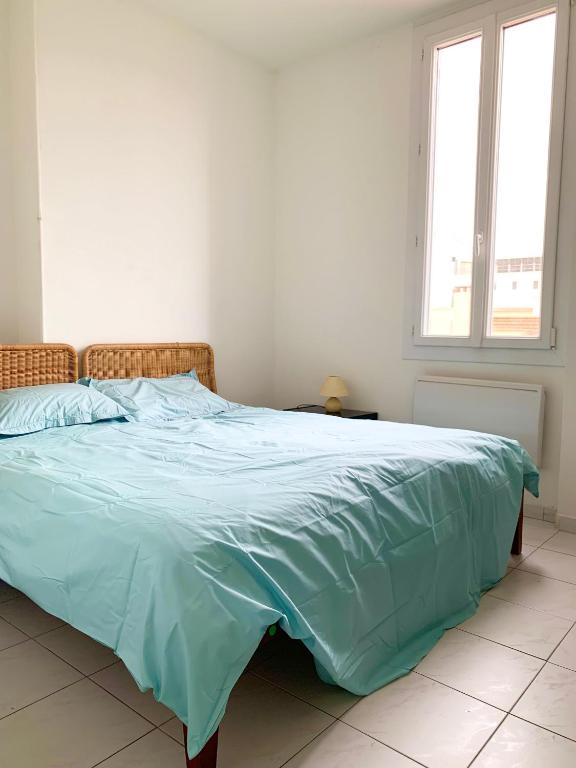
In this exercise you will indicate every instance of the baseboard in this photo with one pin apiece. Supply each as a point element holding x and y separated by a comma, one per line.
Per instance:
<point>550,514</point>
<point>566,523</point>
<point>535,511</point>
<point>538,512</point>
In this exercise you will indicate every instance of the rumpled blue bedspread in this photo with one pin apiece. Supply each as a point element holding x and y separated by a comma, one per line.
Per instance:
<point>178,544</point>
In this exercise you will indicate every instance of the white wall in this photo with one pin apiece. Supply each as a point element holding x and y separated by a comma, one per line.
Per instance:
<point>342,159</point>
<point>155,185</point>
<point>24,156</point>
<point>8,306</point>
<point>567,237</point>
<point>8,258</point>
<point>20,262</point>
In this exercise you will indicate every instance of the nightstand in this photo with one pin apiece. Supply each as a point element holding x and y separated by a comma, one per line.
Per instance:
<point>345,413</point>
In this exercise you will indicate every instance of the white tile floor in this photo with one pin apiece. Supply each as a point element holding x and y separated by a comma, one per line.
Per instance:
<point>497,692</point>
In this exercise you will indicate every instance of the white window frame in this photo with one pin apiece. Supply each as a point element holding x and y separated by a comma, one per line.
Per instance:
<point>486,19</point>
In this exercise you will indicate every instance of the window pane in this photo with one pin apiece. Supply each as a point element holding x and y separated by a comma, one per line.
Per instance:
<point>522,177</point>
<point>452,189</point>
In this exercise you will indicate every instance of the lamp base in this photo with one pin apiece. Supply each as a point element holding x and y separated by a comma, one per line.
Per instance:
<point>333,405</point>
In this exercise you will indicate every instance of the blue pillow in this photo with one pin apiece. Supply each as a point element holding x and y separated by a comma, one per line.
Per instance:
<point>85,380</point>
<point>32,409</point>
<point>174,397</point>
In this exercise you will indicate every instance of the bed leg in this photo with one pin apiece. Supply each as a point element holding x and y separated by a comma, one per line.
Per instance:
<point>517,541</point>
<point>209,755</point>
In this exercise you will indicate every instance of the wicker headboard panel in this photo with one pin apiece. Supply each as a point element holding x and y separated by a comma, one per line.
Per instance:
<point>126,361</point>
<point>26,365</point>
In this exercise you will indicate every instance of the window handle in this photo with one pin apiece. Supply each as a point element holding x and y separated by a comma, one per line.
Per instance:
<point>479,243</point>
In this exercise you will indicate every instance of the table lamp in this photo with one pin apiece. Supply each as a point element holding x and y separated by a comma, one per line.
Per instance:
<point>333,388</point>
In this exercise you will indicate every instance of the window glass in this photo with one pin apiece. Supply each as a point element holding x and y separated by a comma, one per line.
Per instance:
<point>521,177</point>
<point>452,189</point>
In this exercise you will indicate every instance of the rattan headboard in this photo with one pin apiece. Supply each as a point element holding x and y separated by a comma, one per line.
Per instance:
<point>26,365</point>
<point>126,361</point>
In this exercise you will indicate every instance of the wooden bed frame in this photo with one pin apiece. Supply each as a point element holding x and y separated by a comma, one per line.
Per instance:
<point>33,364</point>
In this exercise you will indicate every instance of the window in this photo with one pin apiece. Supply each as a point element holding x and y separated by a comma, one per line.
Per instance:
<point>491,98</point>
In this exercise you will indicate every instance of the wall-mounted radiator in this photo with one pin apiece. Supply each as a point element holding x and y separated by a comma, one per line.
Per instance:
<point>498,407</point>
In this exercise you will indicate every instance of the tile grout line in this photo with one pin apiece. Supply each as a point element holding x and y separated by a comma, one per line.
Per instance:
<point>48,631</point>
<point>538,546</point>
<point>509,647</point>
<point>463,693</point>
<point>330,725</point>
<point>527,687</point>
<point>543,544</point>
<point>14,625</point>
<point>83,677</point>
<point>526,607</point>
<point>510,713</point>
<point>384,744</point>
<point>61,658</point>
<point>47,696</point>
<point>13,645</point>
<point>494,706</point>
<point>150,722</point>
<point>30,638</point>
<point>513,602</point>
<point>561,666</point>
<point>517,567</point>
<point>65,661</point>
<point>130,743</point>
<point>559,643</point>
<point>299,698</point>
<point>28,635</point>
<point>547,549</point>
<point>505,712</point>
<point>519,717</point>
<point>572,623</point>
<point>488,740</point>
<point>87,677</point>
<point>554,526</point>
<point>174,739</point>
<point>338,719</point>
<point>42,698</point>
<point>18,596</point>
<point>543,727</point>
<point>546,661</point>
<point>542,575</point>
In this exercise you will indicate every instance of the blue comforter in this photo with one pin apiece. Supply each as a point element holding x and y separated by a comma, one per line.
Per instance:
<point>178,544</point>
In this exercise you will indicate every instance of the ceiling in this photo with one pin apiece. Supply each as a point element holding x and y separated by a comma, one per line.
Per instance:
<point>277,32</point>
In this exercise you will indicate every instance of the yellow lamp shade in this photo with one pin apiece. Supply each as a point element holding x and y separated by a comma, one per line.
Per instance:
<point>334,386</point>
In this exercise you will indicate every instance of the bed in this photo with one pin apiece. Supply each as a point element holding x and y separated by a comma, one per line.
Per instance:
<point>178,544</point>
